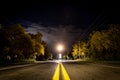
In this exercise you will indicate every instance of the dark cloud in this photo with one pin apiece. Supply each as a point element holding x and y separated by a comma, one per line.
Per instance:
<point>65,34</point>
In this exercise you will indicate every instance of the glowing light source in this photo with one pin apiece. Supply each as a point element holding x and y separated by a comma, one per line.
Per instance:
<point>60,56</point>
<point>59,47</point>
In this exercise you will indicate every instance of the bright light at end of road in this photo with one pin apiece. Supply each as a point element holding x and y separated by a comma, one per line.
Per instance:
<point>59,47</point>
<point>60,56</point>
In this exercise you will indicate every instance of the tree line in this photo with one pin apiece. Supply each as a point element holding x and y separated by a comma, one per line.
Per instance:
<point>16,44</point>
<point>101,45</point>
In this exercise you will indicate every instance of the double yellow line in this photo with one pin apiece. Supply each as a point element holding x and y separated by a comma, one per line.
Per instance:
<point>64,75</point>
<point>57,73</point>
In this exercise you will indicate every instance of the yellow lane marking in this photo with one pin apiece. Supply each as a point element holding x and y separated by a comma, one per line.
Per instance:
<point>57,73</point>
<point>64,73</point>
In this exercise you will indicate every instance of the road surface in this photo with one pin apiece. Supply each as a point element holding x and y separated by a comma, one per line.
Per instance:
<point>74,70</point>
<point>40,71</point>
<point>91,71</point>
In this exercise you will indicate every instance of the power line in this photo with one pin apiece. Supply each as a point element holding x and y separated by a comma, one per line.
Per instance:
<point>96,24</point>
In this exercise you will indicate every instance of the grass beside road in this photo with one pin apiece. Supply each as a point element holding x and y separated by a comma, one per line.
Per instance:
<point>103,62</point>
<point>17,62</point>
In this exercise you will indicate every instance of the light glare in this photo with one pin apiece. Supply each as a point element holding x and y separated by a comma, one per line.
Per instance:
<point>60,47</point>
<point>60,56</point>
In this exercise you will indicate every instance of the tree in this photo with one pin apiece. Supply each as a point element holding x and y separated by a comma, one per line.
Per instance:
<point>76,50</point>
<point>27,47</point>
<point>47,53</point>
<point>105,44</point>
<point>16,43</point>
<point>84,49</point>
<point>37,41</point>
<point>99,43</point>
<point>114,33</point>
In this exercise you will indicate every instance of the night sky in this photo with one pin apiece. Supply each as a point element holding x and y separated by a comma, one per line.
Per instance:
<point>61,21</point>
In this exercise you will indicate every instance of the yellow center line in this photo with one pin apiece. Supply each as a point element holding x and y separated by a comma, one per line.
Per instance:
<point>57,73</point>
<point>64,75</point>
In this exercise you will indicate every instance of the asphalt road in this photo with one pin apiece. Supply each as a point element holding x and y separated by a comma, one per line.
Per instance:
<point>75,70</point>
<point>40,71</point>
<point>91,71</point>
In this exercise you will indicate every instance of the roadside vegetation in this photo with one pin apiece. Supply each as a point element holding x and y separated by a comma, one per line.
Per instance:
<point>17,45</point>
<point>101,45</point>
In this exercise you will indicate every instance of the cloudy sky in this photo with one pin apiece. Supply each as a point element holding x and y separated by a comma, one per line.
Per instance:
<point>62,21</point>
